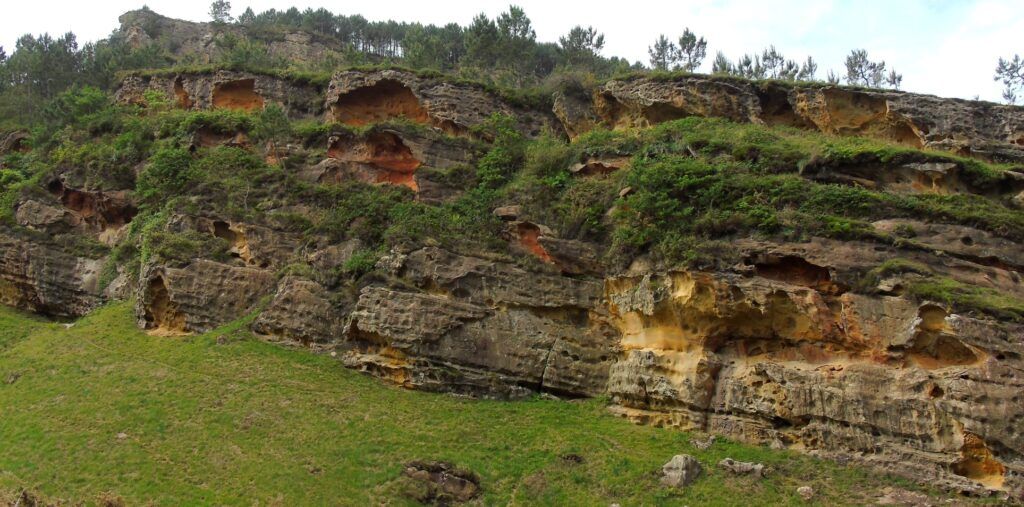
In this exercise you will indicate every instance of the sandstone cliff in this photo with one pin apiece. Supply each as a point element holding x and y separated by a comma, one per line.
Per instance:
<point>809,341</point>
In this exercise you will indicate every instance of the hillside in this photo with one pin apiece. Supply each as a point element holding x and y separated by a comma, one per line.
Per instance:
<point>107,413</point>
<point>793,265</point>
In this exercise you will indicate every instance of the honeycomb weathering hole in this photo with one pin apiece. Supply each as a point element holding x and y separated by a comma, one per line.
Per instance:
<point>381,101</point>
<point>239,95</point>
<point>978,463</point>
<point>776,109</point>
<point>161,314</point>
<point>239,245</point>
<point>387,151</point>
<point>388,158</point>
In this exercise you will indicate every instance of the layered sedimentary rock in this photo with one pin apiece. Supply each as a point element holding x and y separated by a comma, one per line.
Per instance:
<point>224,89</point>
<point>482,327</point>
<point>199,296</point>
<point>361,98</point>
<point>878,379</point>
<point>974,128</point>
<point>44,278</point>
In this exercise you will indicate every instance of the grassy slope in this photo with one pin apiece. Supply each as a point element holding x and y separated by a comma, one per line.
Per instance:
<point>223,418</point>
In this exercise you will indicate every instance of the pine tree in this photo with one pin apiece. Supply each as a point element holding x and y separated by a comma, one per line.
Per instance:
<point>220,11</point>
<point>691,51</point>
<point>581,45</point>
<point>663,53</point>
<point>248,18</point>
<point>807,70</point>
<point>1011,73</point>
<point>722,65</point>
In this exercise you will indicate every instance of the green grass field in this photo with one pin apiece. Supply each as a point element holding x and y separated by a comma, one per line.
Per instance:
<point>102,411</point>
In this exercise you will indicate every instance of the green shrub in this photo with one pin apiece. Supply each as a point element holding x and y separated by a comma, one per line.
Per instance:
<point>168,172</point>
<point>360,263</point>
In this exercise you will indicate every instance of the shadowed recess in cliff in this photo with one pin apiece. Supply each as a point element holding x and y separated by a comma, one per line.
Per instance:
<point>97,210</point>
<point>161,314</point>
<point>528,236</point>
<point>238,95</point>
<point>934,345</point>
<point>384,100</point>
<point>797,271</point>
<point>388,158</point>
<point>238,244</point>
<point>181,95</point>
<point>776,108</point>
<point>978,463</point>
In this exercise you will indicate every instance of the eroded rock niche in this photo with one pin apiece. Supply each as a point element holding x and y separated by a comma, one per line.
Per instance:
<point>978,463</point>
<point>776,109</point>
<point>528,235</point>
<point>934,344</point>
<point>181,96</point>
<point>851,113</point>
<point>380,157</point>
<point>239,245</point>
<point>797,271</point>
<point>95,210</point>
<point>384,100</point>
<point>239,95</point>
<point>161,314</point>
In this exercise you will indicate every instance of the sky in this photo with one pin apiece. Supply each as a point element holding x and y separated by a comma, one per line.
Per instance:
<point>942,47</point>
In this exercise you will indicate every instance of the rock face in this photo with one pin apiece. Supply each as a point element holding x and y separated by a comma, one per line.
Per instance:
<point>440,483</point>
<point>481,327</point>
<point>973,128</point>
<point>198,41</point>
<point>769,361</point>
<point>43,278</point>
<point>361,98</point>
<point>223,89</point>
<point>199,296</point>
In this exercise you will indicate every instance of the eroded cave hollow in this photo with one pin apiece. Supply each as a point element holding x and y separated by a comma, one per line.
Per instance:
<point>240,95</point>
<point>387,99</point>
<point>160,313</point>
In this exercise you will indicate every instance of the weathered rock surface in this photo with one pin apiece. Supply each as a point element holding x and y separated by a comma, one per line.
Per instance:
<point>974,128</point>
<point>13,141</point>
<point>224,89</point>
<point>43,278</point>
<point>742,467</point>
<point>301,312</point>
<point>482,327</point>
<point>440,483</point>
<point>680,471</point>
<point>251,245</point>
<point>878,379</point>
<point>361,98</point>
<point>198,297</point>
<point>198,41</point>
<point>409,157</point>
